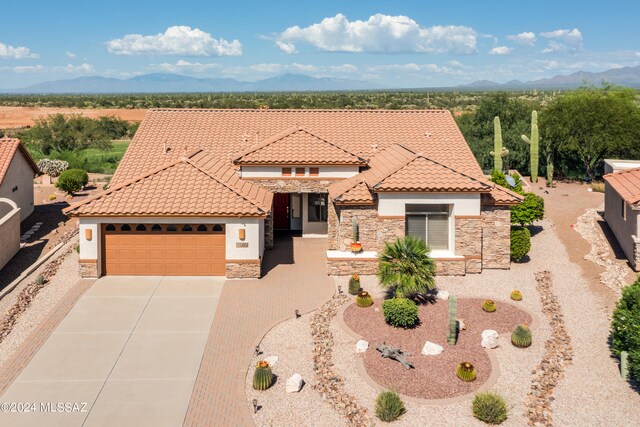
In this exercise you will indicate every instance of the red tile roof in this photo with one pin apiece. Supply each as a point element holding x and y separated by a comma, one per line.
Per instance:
<point>196,184</point>
<point>8,148</point>
<point>297,146</point>
<point>627,184</point>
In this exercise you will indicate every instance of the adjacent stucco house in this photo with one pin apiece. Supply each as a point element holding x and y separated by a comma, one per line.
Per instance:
<point>17,170</point>
<point>621,208</point>
<point>201,192</point>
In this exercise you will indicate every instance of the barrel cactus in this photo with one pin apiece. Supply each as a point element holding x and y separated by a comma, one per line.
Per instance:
<point>489,306</point>
<point>262,377</point>
<point>364,299</point>
<point>516,295</point>
<point>466,372</point>
<point>521,336</point>
<point>354,284</point>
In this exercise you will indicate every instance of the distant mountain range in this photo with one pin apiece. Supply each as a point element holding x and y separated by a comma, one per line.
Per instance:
<point>625,76</point>
<point>172,83</point>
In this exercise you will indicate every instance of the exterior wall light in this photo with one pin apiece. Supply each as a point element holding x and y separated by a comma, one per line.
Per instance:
<point>242,233</point>
<point>88,234</point>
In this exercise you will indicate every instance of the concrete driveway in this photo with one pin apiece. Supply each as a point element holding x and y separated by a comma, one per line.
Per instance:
<point>128,353</point>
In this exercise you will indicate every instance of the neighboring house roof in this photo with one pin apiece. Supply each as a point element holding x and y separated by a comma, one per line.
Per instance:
<point>297,146</point>
<point>8,148</point>
<point>224,133</point>
<point>196,184</point>
<point>627,184</point>
<point>399,169</point>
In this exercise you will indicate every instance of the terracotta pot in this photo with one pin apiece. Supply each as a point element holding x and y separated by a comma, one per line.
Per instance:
<point>356,247</point>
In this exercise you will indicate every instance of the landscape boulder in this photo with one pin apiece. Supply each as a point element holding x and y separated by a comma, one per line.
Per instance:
<point>431,349</point>
<point>294,383</point>
<point>443,295</point>
<point>362,346</point>
<point>271,360</point>
<point>489,338</point>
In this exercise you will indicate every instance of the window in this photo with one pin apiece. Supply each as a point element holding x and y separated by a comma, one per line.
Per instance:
<point>286,171</point>
<point>141,227</point>
<point>172,227</point>
<point>186,228</point>
<point>314,171</point>
<point>110,227</point>
<point>317,207</point>
<point>429,223</point>
<point>623,210</point>
<point>218,228</point>
<point>202,228</point>
<point>300,171</point>
<point>156,228</point>
<point>125,227</point>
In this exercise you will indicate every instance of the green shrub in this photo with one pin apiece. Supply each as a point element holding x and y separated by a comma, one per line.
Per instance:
<point>530,210</point>
<point>489,407</point>
<point>400,312</point>
<point>500,178</point>
<point>40,280</point>
<point>354,284</point>
<point>72,180</point>
<point>389,406</point>
<point>520,243</point>
<point>625,327</point>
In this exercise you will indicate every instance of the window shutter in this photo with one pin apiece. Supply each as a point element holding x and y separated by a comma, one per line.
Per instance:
<point>438,226</point>
<point>416,226</point>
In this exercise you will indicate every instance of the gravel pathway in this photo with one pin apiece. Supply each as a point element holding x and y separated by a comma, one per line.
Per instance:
<point>591,392</point>
<point>40,307</point>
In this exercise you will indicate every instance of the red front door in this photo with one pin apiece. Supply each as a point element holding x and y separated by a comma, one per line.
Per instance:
<point>281,211</point>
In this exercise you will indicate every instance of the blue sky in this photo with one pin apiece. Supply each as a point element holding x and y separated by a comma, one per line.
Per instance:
<point>393,43</point>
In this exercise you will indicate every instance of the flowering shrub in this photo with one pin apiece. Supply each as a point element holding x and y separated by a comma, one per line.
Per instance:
<point>52,167</point>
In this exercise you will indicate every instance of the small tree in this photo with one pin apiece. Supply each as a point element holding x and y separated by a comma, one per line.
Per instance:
<point>530,210</point>
<point>406,268</point>
<point>72,180</point>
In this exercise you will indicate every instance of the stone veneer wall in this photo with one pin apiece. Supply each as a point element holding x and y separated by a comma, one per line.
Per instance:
<point>88,268</point>
<point>367,218</point>
<point>389,229</point>
<point>243,270</point>
<point>496,237</point>
<point>635,262</point>
<point>268,231</point>
<point>347,267</point>
<point>294,185</point>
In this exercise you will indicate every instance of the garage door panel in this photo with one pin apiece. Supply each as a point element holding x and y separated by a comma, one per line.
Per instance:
<point>164,253</point>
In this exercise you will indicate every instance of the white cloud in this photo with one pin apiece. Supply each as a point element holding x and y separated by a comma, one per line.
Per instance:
<point>71,55</point>
<point>563,41</point>
<point>413,68</point>
<point>21,52</point>
<point>526,38</point>
<point>380,33</point>
<point>78,69</point>
<point>69,68</point>
<point>501,50</point>
<point>176,40</point>
<point>182,66</point>
<point>344,68</point>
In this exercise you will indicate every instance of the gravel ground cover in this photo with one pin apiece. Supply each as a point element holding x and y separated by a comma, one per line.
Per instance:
<point>434,377</point>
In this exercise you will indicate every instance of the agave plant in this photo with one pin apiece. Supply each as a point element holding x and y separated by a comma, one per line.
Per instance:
<point>406,268</point>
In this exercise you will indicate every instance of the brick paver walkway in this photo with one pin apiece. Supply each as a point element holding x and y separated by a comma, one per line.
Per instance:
<point>296,279</point>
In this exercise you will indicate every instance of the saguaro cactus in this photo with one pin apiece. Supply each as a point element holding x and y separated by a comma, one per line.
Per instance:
<point>533,145</point>
<point>453,324</point>
<point>549,168</point>
<point>498,150</point>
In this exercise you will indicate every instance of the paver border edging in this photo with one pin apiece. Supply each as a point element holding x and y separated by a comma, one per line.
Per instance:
<point>487,385</point>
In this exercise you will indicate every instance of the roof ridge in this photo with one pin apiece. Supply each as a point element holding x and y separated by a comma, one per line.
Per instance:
<point>251,200</point>
<point>621,171</point>
<point>304,110</point>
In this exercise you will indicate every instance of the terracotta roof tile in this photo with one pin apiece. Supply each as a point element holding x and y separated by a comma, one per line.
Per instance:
<point>627,184</point>
<point>297,146</point>
<point>8,149</point>
<point>194,185</point>
<point>224,133</point>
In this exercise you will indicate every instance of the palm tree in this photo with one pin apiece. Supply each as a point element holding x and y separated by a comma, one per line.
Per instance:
<point>406,268</point>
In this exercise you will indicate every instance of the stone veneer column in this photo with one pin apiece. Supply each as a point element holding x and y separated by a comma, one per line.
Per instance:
<point>367,219</point>
<point>88,268</point>
<point>496,237</point>
<point>636,253</point>
<point>333,226</point>
<point>268,231</point>
<point>249,269</point>
<point>468,238</point>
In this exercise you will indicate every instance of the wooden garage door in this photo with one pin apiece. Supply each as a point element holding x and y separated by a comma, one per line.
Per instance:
<point>164,249</point>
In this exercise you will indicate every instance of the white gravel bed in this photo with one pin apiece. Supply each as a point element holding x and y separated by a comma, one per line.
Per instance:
<point>592,392</point>
<point>291,341</point>
<point>40,307</point>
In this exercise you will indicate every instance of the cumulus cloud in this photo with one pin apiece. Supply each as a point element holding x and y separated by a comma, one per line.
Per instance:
<point>182,66</point>
<point>501,50</point>
<point>379,33</point>
<point>20,52</point>
<point>563,41</point>
<point>526,38</point>
<point>70,55</point>
<point>176,40</point>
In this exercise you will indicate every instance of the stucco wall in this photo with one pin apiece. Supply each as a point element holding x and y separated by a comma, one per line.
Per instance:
<point>9,230</point>
<point>393,204</point>
<point>19,175</point>
<point>623,229</point>
<point>276,171</point>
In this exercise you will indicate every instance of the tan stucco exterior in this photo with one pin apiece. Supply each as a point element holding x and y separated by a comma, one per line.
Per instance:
<point>20,174</point>
<point>624,224</point>
<point>9,230</point>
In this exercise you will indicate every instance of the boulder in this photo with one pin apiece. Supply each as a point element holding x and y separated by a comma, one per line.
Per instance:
<point>294,383</point>
<point>489,338</point>
<point>362,346</point>
<point>271,360</point>
<point>443,295</point>
<point>431,349</point>
<point>461,325</point>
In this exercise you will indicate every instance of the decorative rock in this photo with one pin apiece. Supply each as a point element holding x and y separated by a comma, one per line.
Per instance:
<point>362,346</point>
<point>294,383</point>
<point>271,360</point>
<point>443,295</point>
<point>431,349</point>
<point>489,338</point>
<point>461,325</point>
